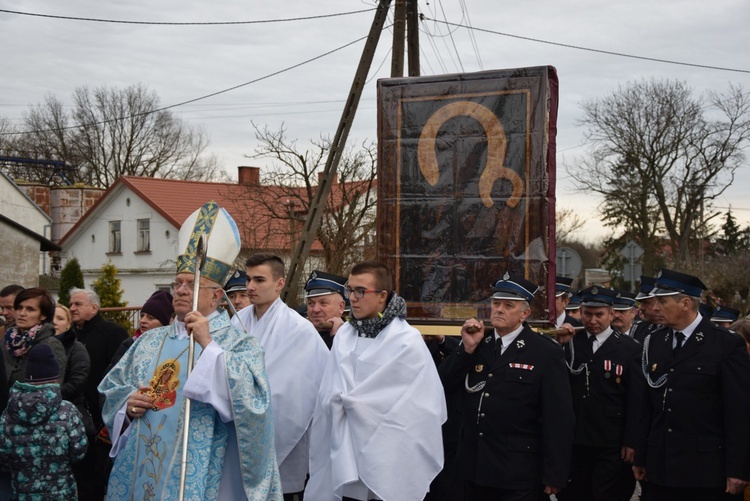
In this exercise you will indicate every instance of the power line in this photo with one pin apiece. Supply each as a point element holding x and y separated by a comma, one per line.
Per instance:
<point>458,56</point>
<point>156,23</point>
<point>465,10</point>
<point>164,108</point>
<point>600,51</point>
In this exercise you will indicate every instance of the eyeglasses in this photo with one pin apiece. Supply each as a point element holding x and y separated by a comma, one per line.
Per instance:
<point>359,292</point>
<point>190,285</point>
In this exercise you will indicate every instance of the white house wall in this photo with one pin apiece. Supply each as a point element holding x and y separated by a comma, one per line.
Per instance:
<point>15,205</point>
<point>141,273</point>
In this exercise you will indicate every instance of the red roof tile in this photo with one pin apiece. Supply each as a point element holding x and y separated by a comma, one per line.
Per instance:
<point>175,200</point>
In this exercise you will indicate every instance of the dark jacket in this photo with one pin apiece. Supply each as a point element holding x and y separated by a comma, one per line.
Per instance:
<point>101,338</point>
<point>522,436</point>
<point>41,435</point>
<point>643,329</point>
<point>15,367</point>
<point>73,387</point>
<point>605,402</point>
<point>693,430</point>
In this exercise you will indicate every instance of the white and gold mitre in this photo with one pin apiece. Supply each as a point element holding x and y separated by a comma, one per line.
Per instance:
<point>223,242</point>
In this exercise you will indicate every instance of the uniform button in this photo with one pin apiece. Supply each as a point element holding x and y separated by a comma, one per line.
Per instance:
<point>671,370</point>
<point>481,415</point>
<point>481,434</point>
<point>489,375</point>
<point>486,395</point>
<point>669,410</point>
<point>670,430</point>
<point>669,390</point>
<point>584,396</point>
<point>699,368</point>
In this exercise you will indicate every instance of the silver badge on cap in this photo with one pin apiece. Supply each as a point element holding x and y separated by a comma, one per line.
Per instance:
<point>506,276</point>
<point>594,290</point>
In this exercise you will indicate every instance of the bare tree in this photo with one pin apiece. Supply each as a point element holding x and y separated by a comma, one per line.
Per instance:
<point>660,161</point>
<point>348,224</point>
<point>567,222</point>
<point>113,132</point>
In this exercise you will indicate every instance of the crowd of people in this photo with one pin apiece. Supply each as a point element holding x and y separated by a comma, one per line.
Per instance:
<point>344,400</point>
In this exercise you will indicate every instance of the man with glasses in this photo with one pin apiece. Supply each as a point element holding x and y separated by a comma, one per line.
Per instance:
<point>377,424</point>
<point>230,432</point>
<point>296,357</point>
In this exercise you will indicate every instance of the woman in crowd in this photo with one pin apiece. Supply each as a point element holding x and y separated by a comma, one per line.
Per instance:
<point>155,312</point>
<point>34,309</point>
<point>742,327</point>
<point>79,366</point>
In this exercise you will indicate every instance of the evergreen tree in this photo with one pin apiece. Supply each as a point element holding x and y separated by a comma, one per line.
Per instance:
<point>107,286</point>
<point>733,239</point>
<point>71,277</point>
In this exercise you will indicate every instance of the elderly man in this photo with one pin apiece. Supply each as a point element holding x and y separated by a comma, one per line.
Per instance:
<point>236,289</point>
<point>517,413</point>
<point>101,338</point>
<point>623,313</point>
<point>324,293</point>
<point>230,433</point>
<point>376,428</point>
<point>693,434</point>
<point>295,360</point>
<point>603,366</point>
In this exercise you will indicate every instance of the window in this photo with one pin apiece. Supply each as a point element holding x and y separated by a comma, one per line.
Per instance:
<point>115,242</point>
<point>144,235</point>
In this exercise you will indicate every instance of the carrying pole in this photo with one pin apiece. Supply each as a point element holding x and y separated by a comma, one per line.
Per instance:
<point>200,260</point>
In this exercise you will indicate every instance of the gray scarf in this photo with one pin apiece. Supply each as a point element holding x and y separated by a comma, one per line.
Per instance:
<point>371,327</point>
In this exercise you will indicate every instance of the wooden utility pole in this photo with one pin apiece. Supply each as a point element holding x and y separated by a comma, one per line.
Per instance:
<point>399,37</point>
<point>317,207</point>
<point>412,29</point>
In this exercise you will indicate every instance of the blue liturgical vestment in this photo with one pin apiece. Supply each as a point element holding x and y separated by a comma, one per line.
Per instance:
<point>148,464</point>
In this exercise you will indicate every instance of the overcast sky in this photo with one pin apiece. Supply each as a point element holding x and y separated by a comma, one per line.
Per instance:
<point>41,55</point>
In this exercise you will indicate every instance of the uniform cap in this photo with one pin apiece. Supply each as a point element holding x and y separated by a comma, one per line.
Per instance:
<point>598,297</point>
<point>647,285</point>
<point>725,314</point>
<point>624,300</point>
<point>237,282</point>
<point>562,286</point>
<point>670,283</point>
<point>320,283</point>
<point>514,288</point>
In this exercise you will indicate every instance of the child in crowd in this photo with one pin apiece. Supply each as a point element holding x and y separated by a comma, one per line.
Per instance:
<point>41,435</point>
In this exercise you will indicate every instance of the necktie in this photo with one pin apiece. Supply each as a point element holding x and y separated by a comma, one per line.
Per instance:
<point>679,338</point>
<point>592,339</point>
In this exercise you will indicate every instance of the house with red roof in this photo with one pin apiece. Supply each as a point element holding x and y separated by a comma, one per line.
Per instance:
<point>136,222</point>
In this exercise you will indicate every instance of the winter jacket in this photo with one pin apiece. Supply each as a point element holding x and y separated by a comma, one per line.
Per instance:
<point>40,436</point>
<point>73,387</point>
<point>15,367</point>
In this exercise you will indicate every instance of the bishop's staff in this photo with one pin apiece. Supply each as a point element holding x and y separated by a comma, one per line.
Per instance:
<point>201,248</point>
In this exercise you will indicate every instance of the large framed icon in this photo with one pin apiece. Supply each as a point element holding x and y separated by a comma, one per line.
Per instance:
<point>466,184</point>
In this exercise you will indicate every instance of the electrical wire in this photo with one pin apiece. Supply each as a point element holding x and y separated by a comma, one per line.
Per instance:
<point>589,49</point>
<point>475,46</point>
<point>453,41</point>
<point>157,23</point>
<point>189,101</point>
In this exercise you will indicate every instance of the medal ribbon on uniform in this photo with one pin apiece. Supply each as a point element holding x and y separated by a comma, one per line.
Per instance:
<point>521,366</point>
<point>618,370</point>
<point>608,365</point>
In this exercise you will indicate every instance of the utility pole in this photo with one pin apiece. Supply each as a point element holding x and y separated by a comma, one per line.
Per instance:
<point>317,207</point>
<point>405,22</point>
<point>399,35</point>
<point>412,29</point>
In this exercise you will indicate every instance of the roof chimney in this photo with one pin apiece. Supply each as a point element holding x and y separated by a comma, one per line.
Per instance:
<point>320,178</point>
<point>248,176</point>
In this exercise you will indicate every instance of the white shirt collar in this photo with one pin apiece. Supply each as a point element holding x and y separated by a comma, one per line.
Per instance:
<point>688,331</point>
<point>508,338</point>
